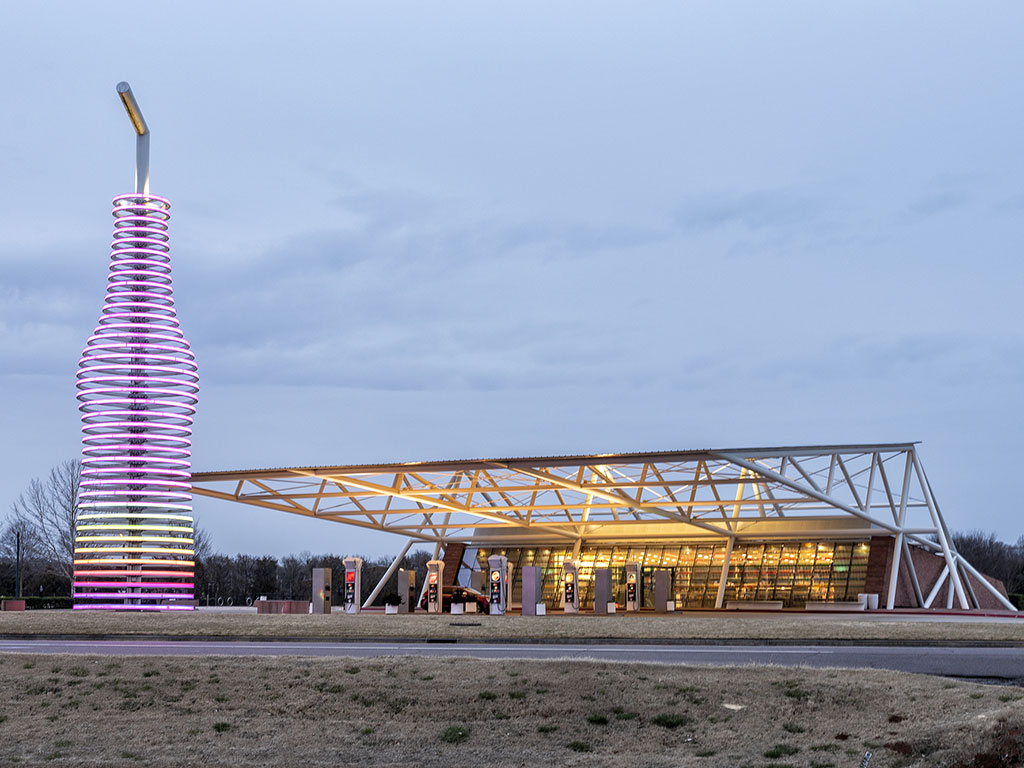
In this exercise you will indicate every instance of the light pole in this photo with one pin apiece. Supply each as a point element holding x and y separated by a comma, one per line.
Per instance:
<point>17,565</point>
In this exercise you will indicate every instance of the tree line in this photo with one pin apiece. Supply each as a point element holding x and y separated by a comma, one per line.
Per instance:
<point>45,515</point>
<point>239,579</point>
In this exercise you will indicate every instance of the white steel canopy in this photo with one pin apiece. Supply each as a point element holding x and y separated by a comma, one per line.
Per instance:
<point>736,494</point>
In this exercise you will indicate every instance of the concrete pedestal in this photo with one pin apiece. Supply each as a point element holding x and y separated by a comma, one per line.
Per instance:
<point>531,589</point>
<point>602,590</point>
<point>662,581</point>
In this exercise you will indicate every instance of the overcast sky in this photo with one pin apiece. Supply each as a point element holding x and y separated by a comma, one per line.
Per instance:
<point>410,231</point>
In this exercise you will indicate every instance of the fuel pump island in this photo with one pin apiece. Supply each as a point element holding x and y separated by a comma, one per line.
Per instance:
<point>498,583</point>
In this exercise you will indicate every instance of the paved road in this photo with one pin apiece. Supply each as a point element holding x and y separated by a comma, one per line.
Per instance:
<point>993,664</point>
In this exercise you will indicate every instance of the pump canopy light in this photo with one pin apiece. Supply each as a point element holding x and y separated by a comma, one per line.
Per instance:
<point>137,391</point>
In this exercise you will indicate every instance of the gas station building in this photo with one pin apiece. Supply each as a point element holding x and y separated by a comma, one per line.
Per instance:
<point>804,527</point>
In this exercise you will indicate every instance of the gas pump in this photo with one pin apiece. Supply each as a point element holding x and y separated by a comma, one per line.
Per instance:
<point>632,586</point>
<point>435,573</point>
<point>321,590</point>
<point>497,579</point>
<point>353,583</point>
<point>570,587</point>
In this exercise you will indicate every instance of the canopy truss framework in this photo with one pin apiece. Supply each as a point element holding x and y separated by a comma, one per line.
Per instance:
<point>837,491</point>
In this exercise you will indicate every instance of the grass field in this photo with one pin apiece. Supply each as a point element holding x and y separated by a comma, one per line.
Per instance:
<point>238,711</point>
<point>799,628</point>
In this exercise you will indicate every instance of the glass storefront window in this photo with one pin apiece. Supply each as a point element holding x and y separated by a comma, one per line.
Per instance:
<point>793,572</point>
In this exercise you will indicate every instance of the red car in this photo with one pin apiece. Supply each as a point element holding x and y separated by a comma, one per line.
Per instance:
<point>482,603</point>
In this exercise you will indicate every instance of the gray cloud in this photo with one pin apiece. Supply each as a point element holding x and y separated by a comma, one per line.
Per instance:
<point>769,209</point>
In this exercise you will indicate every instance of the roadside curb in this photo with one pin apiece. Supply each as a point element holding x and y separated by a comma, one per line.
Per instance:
<point>454,640</point>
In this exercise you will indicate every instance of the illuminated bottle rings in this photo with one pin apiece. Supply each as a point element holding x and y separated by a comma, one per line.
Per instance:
<point>137,392</point>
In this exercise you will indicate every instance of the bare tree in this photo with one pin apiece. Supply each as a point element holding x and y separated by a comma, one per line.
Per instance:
<point>202,542</point>
<point>993,557</point>
<point>46,514</point>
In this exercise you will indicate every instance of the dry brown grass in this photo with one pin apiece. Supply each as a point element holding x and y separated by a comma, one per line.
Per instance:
<point>794,627</point>
<point>240,711</point>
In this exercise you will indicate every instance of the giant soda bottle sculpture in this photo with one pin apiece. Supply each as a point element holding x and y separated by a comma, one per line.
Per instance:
<point>137,391</point>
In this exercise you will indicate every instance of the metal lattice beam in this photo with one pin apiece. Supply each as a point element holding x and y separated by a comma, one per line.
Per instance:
<point>837,491</point>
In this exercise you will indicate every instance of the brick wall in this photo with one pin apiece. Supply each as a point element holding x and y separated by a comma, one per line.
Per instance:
<point>928,567</point>
<point>876,581</point>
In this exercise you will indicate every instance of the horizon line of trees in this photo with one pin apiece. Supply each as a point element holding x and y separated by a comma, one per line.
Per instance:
<point>46,514</point>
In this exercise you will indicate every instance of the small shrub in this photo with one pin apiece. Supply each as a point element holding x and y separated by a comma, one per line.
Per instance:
<point>130,756</point>
<point>977,695</point>
<point>517,694</point>
<point>797,693</point>
<point>366,731</point>
<point>782,750</point>
<point>455,734</point>
<point>221,727</point>
<point>547,728</point>
<point>706,753</point>
<point>352,670</point>
<point>670,719</point>
<point>488,695</point>
<point>795,728</point>
<point>597,719</point>
<point>626,715</point>
<point>579,746</point>
<point>901,748</point>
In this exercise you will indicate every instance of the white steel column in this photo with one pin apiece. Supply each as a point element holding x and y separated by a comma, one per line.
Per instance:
<point>984,582</point>
<point>897,552</point>
<point>387,574</point>
<point>947,553</point>
<point>909,560</point>
<point>938,585</point>
<point>967,582</point>
<point>725,573</point>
